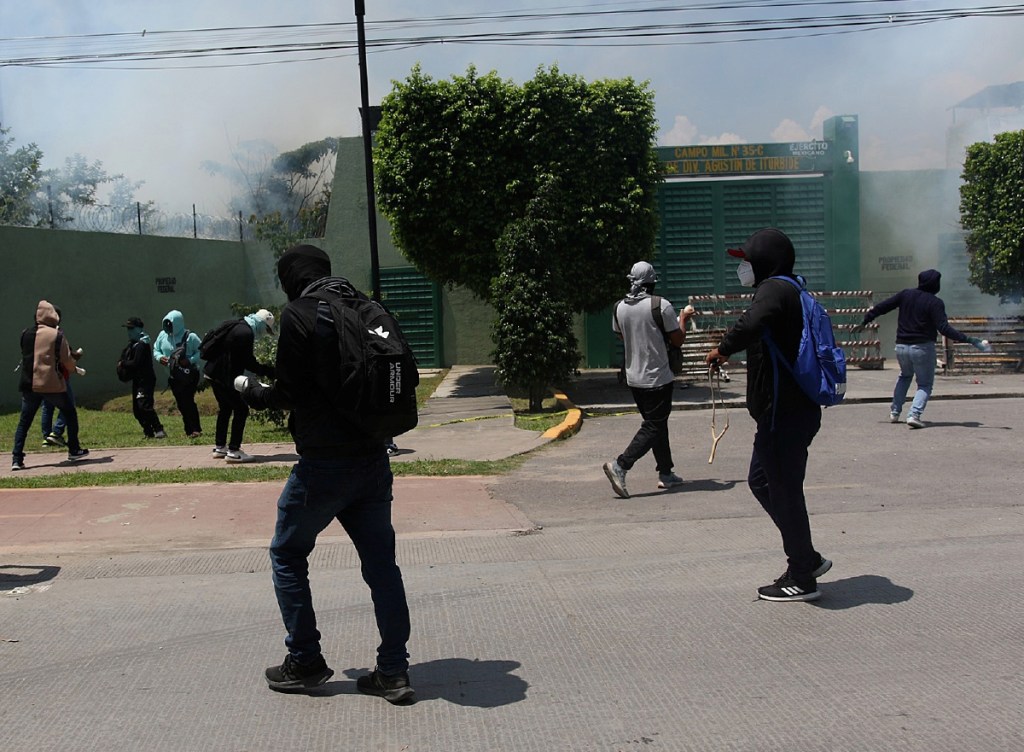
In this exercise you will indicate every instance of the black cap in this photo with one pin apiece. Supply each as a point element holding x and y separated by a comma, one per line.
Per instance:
<point>133,323</point>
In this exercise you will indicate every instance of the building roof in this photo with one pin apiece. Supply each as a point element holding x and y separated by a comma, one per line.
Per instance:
<point>992,97</point>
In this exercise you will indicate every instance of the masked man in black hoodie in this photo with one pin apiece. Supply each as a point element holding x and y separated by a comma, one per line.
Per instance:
<point>786,427</point>
<point>922,317</point>
<point>340,475</point>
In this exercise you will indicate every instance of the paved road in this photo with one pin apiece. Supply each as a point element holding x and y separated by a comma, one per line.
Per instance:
<point>590,623</point>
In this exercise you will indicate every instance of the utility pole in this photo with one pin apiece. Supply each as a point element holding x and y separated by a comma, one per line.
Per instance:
<point>371,202</point>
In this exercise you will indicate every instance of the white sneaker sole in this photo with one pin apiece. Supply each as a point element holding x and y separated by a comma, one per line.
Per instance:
<point>802,598</point>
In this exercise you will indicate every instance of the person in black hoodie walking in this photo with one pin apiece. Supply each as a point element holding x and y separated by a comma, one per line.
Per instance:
<point>136,363</point>
<point>341,475</point>
<point>786,426</point>
<point>922,317</point>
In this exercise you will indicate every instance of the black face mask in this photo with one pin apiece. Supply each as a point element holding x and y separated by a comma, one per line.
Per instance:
<point>168,326</point>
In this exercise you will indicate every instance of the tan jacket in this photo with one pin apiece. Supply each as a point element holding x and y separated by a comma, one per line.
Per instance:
<point>47,363</point>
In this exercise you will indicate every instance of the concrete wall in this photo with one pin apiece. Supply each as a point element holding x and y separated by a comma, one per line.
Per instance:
<point>465,318</point>
<point>98,280</point>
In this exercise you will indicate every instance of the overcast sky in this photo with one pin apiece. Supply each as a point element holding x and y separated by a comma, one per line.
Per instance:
<point>157,120</point>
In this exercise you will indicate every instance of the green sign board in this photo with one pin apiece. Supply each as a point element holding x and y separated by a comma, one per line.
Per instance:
<point>745,159</point>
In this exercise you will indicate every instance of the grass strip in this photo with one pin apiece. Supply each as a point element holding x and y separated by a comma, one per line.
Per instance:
<point>249,474</point>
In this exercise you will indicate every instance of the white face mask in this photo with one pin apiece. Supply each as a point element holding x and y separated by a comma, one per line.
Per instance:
<point>745,273</point>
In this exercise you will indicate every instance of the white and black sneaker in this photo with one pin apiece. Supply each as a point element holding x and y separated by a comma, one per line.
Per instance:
<point>17,464</point>
<point>617,477</point>
<point>220,452</point>
<point>81,454</point>
<point>669,480</point>
<point>786,588</point>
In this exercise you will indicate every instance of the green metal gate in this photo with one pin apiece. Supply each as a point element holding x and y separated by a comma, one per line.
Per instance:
<point>700,219</point>
<point>416,302</point>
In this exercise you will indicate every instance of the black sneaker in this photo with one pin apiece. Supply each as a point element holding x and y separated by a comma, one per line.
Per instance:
<point>17,465</point>
<point>822,568</point>
<point>53,439</point>
<point>292,676</point>
<point>788,589</point>
<point>394,689</point>
<point>81,454</point>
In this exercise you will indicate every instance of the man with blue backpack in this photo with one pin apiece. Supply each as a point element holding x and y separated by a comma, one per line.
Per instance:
<point>772,331</point>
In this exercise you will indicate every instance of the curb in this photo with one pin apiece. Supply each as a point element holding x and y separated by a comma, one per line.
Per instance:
<point>571,424</point>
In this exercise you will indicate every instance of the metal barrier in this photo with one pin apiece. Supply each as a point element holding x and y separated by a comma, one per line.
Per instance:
<point>716,313</point>
<point>1004,333</point>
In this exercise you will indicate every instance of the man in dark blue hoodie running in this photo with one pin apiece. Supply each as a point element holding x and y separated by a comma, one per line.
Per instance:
<point>922,317</point>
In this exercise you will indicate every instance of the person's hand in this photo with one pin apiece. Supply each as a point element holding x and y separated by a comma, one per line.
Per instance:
<point>714,359</point>
<point>241,383</point>
<point>981,344</point>
<point>80,371</point>
<point>164,360</point>
<point>858,329</point>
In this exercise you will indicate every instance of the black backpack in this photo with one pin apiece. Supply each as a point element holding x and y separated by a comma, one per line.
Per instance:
<point>212,345</point>
<point>377,375</point>
<point>182,370</point>
<point>124,373</point>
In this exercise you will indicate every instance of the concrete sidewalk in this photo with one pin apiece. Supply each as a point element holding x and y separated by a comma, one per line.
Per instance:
<point>469,417</point>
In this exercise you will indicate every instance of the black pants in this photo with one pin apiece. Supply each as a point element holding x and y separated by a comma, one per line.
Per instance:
<point>231,408</point>
<point>142,407</point>
<point>778,465</point>
<point>655,406</point>
<point>185,399</point>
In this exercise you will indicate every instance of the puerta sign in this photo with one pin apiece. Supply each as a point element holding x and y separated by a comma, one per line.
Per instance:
<point>745,159</point>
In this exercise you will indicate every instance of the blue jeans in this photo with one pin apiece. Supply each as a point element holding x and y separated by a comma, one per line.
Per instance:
<point>30,402</point>
<point>916,362</point>
<point>46,416</point>
<point>356,492</point>
<point>778,466</point>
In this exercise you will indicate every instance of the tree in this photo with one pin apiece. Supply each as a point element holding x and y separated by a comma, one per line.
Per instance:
<point>992,213</point>
<point>457,161</point>
<point>286,195</point>
<point>535,344</point>
<point>19,179</point>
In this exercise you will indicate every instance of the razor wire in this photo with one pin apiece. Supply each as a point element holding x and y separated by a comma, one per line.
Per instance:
<point>140,220</point>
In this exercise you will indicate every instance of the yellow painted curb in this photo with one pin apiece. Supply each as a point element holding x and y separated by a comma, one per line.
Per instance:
<point>571,424</point>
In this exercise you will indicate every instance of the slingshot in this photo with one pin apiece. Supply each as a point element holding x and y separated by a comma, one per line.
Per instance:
<point>715,383</point>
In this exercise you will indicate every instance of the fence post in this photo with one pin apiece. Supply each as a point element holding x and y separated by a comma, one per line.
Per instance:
<point>241,239</point>
<point>138,212</point>
<point>194,235</point>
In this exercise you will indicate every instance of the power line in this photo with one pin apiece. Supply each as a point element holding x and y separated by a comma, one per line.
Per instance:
<point>281,43</point>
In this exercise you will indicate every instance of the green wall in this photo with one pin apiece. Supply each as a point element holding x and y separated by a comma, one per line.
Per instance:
<point>465,318</point>
<point>99,279</point>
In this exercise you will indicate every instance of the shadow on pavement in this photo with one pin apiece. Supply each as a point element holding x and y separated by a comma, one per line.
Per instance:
<point>27,576</point>
<point>862,590</point>
<point>473,683</point>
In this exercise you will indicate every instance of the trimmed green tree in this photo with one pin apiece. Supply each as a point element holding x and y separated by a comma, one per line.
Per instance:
<point>533,331</point>
<point>457,161</point>
<point>992,213</point>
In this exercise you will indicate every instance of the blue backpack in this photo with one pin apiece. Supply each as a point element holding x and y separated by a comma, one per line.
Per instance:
<point>820,366</point>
